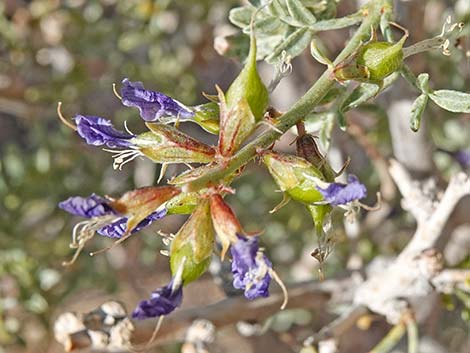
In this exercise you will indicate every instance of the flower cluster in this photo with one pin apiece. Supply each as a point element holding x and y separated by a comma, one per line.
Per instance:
<point>306,178</point>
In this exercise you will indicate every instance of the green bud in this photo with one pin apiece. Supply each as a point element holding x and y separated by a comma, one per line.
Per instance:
<point>373,62</point>
<point>166,144</point>
<point>249,86</point>
<point>184,203</point>
<point>295,176</point>
<point>236,124</point>
<point>194,242</point>
<point>381,59</point>
<point>207,116</point>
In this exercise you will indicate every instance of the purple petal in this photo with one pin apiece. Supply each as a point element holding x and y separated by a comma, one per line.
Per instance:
<point>98,131</point>
<point>151,104</point>
<point>463,158</point>
<point>117,228</point>
<point>162,302</point>
<point>341,194</point>
<point>88,207</point>
<point>250,269</point>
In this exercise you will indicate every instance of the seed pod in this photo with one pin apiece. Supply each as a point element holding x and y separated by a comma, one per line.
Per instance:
<point>193,244</point>
<point>166,144</point>
<point>295,176</point>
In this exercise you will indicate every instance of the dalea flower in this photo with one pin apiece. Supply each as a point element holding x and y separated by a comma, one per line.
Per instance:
<point>340,194</point>
<point>251,269</point>
<point>116,218</point>
<point>162,302</point>
<point>165,299</point>
<point>98,132</point>
<point>151,104</point>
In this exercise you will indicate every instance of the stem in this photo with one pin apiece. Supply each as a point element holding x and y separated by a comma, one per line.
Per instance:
<point>390,340</point>
<point>412,329</point>
<point>424,45</point>
<point>301,108</point>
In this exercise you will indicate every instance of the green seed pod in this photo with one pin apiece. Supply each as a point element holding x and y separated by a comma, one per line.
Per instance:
<point>194,243</point>
<point>248,85</point>
<point>373,62</point>
<point>295,176</point>
<point>166,144</point>
<point>381,59</point>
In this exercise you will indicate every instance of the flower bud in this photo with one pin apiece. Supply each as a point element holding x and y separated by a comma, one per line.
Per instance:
<point>138,204</point>
<point>225,223</point>
<point>207,116</point>
<point>166,144</point>
<point>374,62</point>
<point>193,244</point>
<point>184,203</point>
<point>236,124</point>
<point>295,176</point>
<point>248,85</point>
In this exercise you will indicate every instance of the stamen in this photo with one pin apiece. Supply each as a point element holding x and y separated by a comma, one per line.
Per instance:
<point>62,118</point>
<point>377,205</point>
<point>116,92</point>
<point>283,287</point>
<point>145,347</point>
<point>122,157</point>
<point>117,242</point>
<point>127,129</point>
<point>85,231</point>
<point>285,200</point>
<point>165,253</point>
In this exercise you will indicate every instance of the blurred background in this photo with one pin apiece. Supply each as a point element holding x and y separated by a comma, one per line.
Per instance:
<point>74,50</point>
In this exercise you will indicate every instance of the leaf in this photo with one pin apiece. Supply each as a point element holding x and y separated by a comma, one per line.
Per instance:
<point>417,110</point>
<point>299,13</point>
<point>422,82</point>
<point>294,44</point>
<point>360,95</point>
<point>241,16</point>
<point>341,120</point>
<point>453,101</point>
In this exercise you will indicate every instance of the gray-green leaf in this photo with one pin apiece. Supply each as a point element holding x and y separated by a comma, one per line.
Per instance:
<point>423,82</point>
<point>417,110</point>
<point>299,13</point>
<point>453,101</point>
<point>294,44</point>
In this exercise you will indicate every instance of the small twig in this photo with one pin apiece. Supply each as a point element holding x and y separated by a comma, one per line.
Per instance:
<point>391,339</point>
<point>413,339</point>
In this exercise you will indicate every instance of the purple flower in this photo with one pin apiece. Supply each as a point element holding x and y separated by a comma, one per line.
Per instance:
<point>162,302</point>
<point>151,104</point>
<point>88,207</point>
<point>250,267</point>
<point>341,194</point>
<point>117,228</point>
<point>96,206</point>
<point>98,131</point>
<point>463,158</point>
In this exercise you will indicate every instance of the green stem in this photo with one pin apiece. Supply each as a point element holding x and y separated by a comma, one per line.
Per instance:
<point>412,329</point>
<point>300,109</point>
<point>390,340</point>
<point>424,45</point>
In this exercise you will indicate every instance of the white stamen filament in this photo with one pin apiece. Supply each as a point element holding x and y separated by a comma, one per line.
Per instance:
<point>116,92</point>
<point>83,232</point>
<point>283,287</point>
<point>122,157</point>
